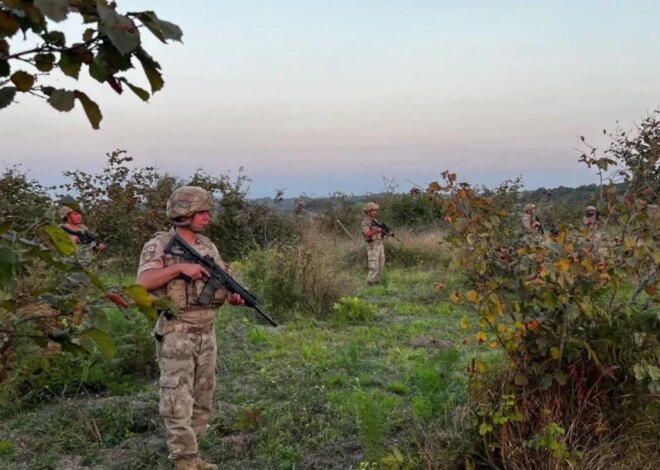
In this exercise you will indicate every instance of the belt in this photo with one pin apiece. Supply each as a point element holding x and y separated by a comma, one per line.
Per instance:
<point>187,328</point>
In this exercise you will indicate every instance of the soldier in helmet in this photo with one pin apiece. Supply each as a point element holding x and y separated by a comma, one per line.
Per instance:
<point>69,214</point>
<point>591,216</point>
<point>186,344</point>
<point>373,235</point>
<point>530,221</point>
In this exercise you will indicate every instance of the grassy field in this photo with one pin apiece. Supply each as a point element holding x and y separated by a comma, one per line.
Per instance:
<point>383,390</point>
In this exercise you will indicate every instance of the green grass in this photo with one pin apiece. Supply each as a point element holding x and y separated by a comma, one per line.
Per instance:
<point>309,394</point>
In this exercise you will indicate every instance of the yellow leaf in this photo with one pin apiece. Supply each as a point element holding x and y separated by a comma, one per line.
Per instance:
<point>629,243</point>
<point>586,264</point>
<point>501,328</point>
<point>464,324</point>
<point>555,352</point>
<point>472,296</point>
<point>480,367</point>
<point>493,344</point>
<point>562,265</point>
<point>455,298</point>
<point>520,325</point>
<point>480,336</point>
<point>490,318</point>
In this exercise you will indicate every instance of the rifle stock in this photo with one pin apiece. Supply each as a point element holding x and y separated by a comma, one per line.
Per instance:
<point>218,277</point>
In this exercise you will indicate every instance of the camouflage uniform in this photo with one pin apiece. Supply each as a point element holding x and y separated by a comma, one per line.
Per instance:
<point>596,237</point>
<point>375,248</point>
<point>528,219</point>
<point>84,238</point>
<point>186,351</point>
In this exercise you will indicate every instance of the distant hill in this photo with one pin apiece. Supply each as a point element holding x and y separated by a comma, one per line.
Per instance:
<point>540,195</point>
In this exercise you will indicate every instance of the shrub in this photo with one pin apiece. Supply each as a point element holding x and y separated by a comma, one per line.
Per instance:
<point>416,249</point>
<point>303,279</point>
<point>24,202</point>
<point>352,309</point>
<point>575,313</point>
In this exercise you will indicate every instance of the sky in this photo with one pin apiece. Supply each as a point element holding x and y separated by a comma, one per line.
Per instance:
<point>315,97</point>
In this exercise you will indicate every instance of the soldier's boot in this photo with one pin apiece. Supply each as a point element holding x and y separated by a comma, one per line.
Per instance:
<point>203,465</point>
<point>186,463</point>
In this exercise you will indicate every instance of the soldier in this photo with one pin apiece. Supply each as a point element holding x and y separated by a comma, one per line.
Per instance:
<point>591,217</point>
<point>185,344</point>
<point>69,214</point>
<point>373,235</point>
<point>531,222</point>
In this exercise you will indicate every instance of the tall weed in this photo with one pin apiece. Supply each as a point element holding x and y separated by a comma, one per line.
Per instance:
<point>302,279</point>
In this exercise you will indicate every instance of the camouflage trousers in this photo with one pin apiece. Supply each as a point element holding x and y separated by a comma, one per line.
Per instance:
<point>375,261</point>
<point>187,360</point>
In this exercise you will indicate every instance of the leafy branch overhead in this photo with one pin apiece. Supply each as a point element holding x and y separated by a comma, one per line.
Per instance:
<point>109,46</point>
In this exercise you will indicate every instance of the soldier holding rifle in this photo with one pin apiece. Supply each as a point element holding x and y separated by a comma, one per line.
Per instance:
<point>373,233</point>
<point>186,344</point>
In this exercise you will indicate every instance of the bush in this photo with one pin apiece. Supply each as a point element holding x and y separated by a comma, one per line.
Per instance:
<point>302,279</point>
<point>24,202</point>
<point>352,310</point>
<point>416,249</point>
<point>575,313</point>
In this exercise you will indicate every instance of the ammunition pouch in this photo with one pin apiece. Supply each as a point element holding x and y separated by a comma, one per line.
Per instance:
<point>184,294</point>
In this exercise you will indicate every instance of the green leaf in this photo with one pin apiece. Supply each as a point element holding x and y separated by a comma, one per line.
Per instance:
<point>164,303</point>
<point>555,352</point>
<point>62,100</point>
<point>102,340</point>
<point>56,10</point>
<point>91,109</point>
<point>546,381</point>
<point>56,38</point>
<point>96,281</point>
<point>98,70</point>
<point>149,312</point>
<point>109,56</point>
<point>8,24</point>
<point>63,244</point>
<point>485,428</point>
<point>142,93</point>
<point>7,94</point>
<point>70,347</point>
<point>120,29</point>
<point>139,294</point>
<point>151,70</point>
<point>22,80</point>
<point>5,226</point>
<point>520,379</point>
<point>560,377</point>
<point>7,263</point>
<point>88,34</point>
<point>5,69</point>
<point>44,62</point>
<point>70,64</point>
<point>162,29</point>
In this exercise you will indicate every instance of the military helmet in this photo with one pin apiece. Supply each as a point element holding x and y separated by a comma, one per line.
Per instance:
<point>187,200</point>
<point>369,206</point>
<point>67,206</point>
<point>590,209</point>
<point>530,207</point>
<point>63,211</point>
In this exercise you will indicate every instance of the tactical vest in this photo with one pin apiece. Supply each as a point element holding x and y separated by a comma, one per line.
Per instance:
<point>182,292</point>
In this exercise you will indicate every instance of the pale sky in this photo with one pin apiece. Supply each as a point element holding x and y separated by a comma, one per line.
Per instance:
<point>323,96</point>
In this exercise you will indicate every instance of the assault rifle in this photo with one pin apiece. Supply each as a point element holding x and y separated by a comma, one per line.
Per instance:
<point>218,278</point>
<point>86,238</point>
<point>540,227</point>
<point>386,230</point>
